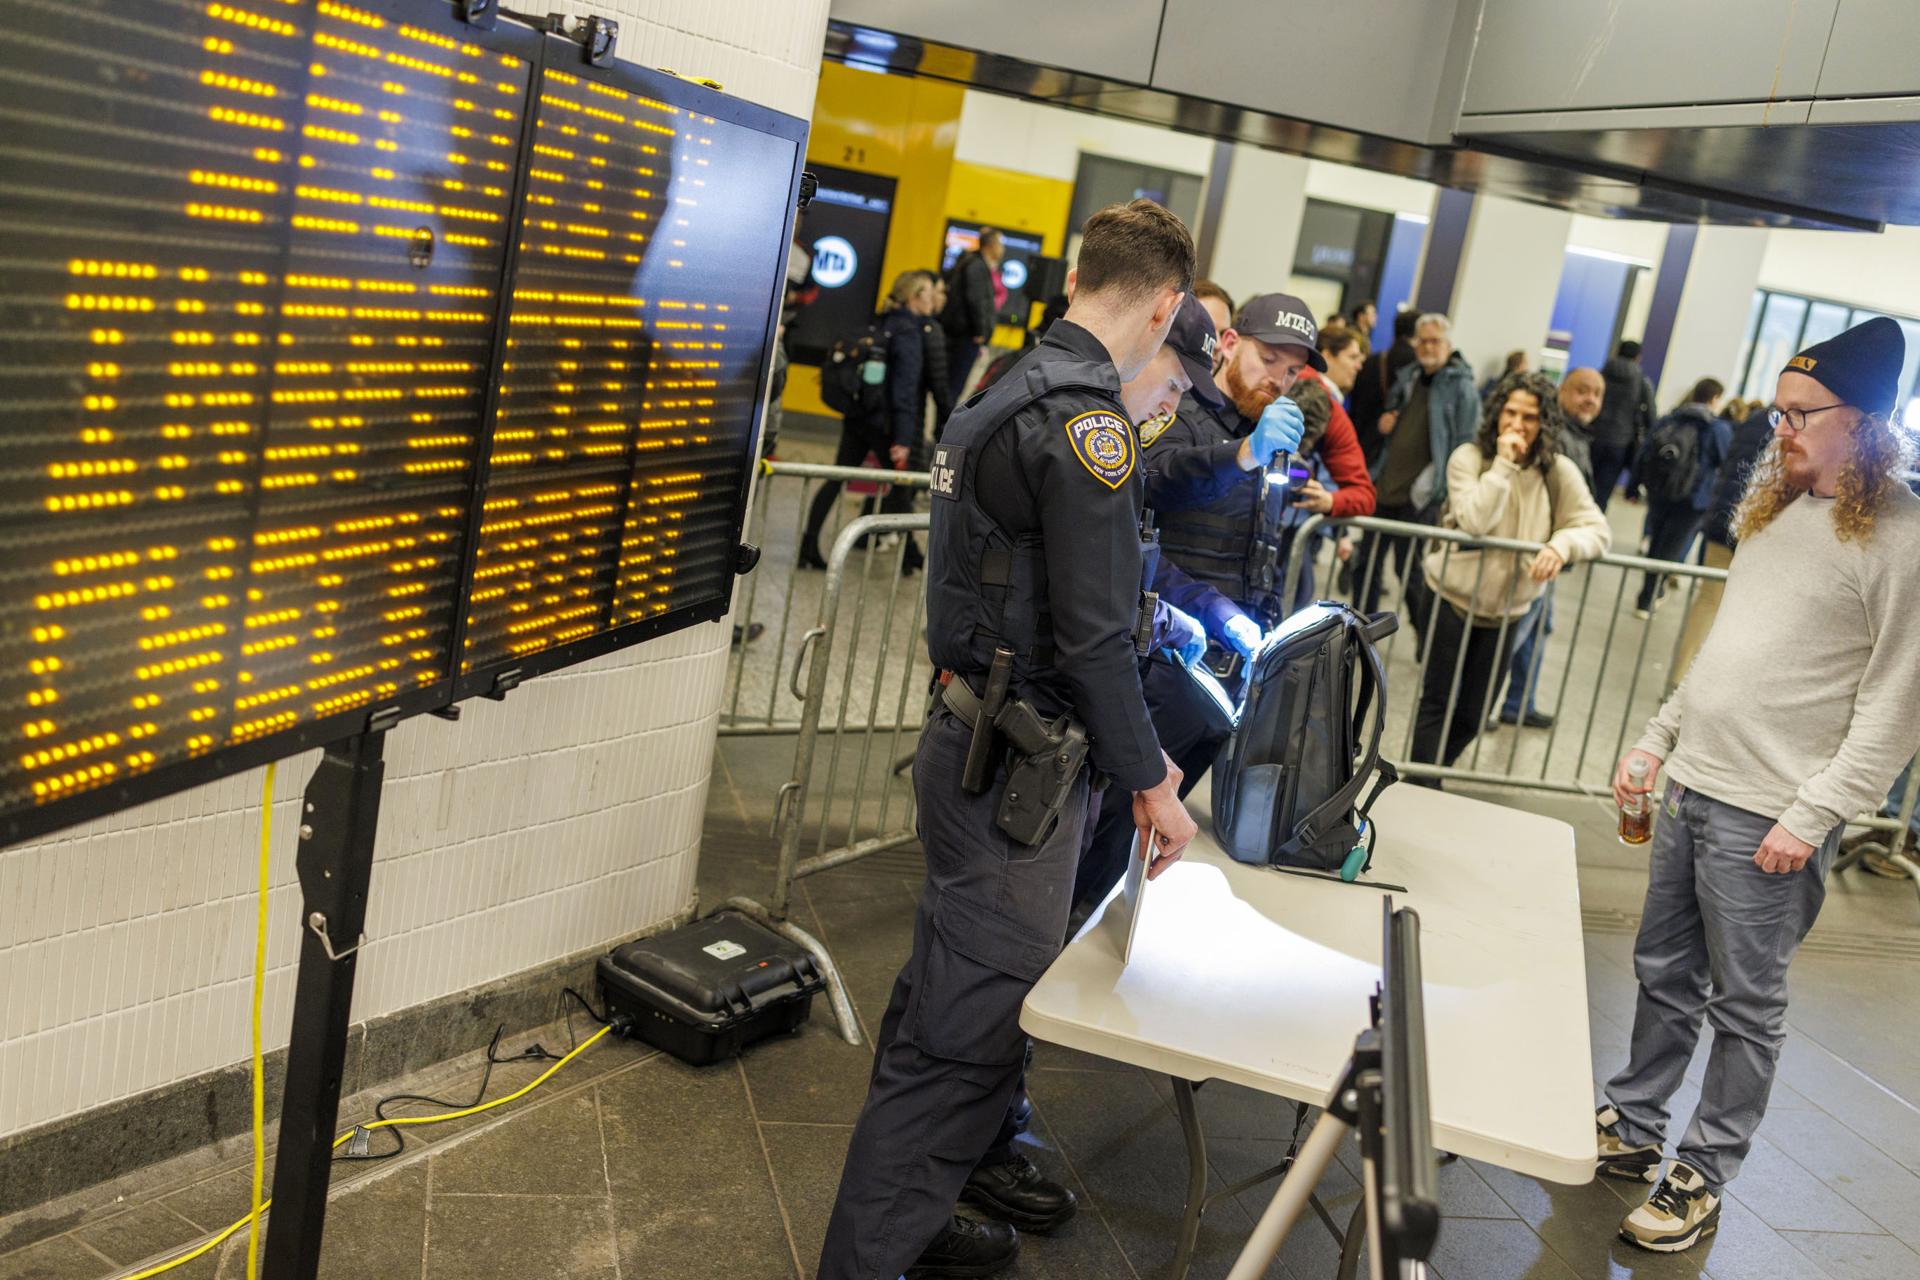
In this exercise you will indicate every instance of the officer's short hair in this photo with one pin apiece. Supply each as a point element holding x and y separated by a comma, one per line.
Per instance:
<point>1134,249</point>
<point>1435,320</point>
<point>990,235</point>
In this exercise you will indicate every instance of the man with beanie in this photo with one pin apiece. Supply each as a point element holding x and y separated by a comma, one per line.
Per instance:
<point>1763,770</point>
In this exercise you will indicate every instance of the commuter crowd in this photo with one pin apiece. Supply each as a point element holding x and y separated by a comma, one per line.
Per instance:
<point>1114,498</point>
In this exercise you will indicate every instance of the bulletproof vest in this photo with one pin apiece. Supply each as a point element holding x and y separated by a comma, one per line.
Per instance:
<point>985,585</point>
<point>1215,543</point>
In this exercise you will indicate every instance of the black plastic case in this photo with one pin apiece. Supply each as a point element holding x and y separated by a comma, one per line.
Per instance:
<point>707,990</point>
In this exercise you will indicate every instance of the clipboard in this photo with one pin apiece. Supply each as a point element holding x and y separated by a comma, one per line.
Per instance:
<point>1125,908</point>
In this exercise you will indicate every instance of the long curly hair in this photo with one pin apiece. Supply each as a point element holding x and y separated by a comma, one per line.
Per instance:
<point>1872,472</point>
<point>1546,445</point>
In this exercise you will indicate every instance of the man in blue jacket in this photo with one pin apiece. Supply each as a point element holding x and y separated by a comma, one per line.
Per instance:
<point>1432,409</point>
<point>1678,474</point>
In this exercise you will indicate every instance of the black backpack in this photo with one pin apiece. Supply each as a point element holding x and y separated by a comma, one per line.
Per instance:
<point>1670,463</point>
<point>1286,789</point>
<point>844,383</point>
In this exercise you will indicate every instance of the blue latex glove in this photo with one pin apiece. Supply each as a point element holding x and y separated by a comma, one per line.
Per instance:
<point>1181,634</point>
<point>1243,634</point>
<point>1281,426</point>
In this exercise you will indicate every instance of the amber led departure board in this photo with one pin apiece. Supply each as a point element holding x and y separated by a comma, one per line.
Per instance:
<point>635,337</point>
<point>255,270</point>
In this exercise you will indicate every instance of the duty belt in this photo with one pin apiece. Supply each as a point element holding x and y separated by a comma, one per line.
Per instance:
<point>1044,757</point>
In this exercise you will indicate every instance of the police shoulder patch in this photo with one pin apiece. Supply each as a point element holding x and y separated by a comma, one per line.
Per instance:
<point>1103,441</point>
<point>1153,428</point>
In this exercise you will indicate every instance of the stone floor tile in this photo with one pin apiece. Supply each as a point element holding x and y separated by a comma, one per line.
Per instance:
<point>61,1258</point>
<point>1788,1198</point>
<point>806,1160</point>
<point>554,1150</point>
<point>689,1173</point>
<point>378,1228</point>
<point>1083,1248</point>
<point>810,1077</point>
<point>212,1203</point>
<point>1492,1249</point>
<point>1745,1248</point>
<point>140,1233</point>
<point>1852,1257</point>
<point>1857,1171</point>
<point>1129,1150</point>
<point>486,1238</point>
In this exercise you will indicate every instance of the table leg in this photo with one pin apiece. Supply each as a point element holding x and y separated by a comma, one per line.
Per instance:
<point>1350,1243</point>
<point>1196,1177</point>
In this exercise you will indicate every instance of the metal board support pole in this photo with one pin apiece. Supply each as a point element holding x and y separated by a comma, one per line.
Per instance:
<point>335,862</point>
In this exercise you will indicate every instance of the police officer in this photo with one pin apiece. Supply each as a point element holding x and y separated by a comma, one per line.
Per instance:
<point>1222,524</point>
<point>1034,610</point>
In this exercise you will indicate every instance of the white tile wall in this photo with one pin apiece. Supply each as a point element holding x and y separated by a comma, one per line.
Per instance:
<point>532,829</point>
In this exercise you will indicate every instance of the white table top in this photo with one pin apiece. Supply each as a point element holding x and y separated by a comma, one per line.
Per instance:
<point>1259,978</point>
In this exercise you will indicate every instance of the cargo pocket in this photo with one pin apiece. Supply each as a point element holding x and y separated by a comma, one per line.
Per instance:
<point>975,977</point>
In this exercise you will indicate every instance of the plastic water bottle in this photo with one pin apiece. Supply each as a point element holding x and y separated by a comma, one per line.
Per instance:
<point>1636,815</point>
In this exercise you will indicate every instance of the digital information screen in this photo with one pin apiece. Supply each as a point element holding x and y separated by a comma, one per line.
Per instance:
<point>845,229</point>
<point>253,272</point>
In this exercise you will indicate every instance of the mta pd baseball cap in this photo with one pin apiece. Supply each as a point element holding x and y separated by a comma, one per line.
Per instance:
<point>1281,320</point>
<point>1861,366</point>
<point>1193,339</point>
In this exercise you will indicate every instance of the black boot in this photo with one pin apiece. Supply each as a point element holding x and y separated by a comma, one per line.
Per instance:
<point>965,1248</point>
<point>810,554</point>
<point>1019,1193</point>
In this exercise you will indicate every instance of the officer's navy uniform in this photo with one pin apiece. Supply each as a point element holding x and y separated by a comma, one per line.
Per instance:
<point>1213,527</point>
<point>1034,545</point>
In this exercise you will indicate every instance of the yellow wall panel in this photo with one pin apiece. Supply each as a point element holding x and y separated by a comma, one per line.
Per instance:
<point>897,127</point>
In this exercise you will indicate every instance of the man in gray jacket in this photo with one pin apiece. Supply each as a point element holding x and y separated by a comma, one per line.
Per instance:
<point>1800,708</point>
<point>1432,409</point>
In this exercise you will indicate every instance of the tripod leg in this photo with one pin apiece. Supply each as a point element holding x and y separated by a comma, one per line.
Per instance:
<point>1290,1198</point>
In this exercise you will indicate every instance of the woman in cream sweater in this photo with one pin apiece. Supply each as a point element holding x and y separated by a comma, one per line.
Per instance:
<point>1510,482</point>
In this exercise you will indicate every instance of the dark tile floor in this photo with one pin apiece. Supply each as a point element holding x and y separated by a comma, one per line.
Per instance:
<point>629,1164</point>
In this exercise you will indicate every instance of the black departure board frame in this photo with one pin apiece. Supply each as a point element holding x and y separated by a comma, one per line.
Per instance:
<point>448,528</point>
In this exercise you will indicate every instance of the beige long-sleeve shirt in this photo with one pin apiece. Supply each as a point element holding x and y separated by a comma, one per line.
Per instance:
<point>1804,702</point>
<point>1493,498</point>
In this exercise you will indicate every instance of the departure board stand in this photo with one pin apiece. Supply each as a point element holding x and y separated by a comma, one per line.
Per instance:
<point>335,862</point>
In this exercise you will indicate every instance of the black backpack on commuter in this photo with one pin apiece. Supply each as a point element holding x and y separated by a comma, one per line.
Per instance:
<point>1670,462</point>
<point>1286,789</point>
<point>847,381</point>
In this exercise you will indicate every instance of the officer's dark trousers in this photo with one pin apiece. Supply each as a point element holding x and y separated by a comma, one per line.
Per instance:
<point>950,1050</point>
<point>1178,711</point>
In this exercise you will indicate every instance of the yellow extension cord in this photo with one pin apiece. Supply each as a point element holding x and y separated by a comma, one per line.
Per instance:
<point>259,1065</point>
<point>252,1220</point>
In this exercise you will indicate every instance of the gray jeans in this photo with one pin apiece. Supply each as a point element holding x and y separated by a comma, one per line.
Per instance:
<point>1715,940</point>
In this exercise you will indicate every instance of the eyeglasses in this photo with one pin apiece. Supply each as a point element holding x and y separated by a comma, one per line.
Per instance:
<point>1796,419</point>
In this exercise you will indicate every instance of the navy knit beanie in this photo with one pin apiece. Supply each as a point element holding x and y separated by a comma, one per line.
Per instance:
<point>1861,366</point>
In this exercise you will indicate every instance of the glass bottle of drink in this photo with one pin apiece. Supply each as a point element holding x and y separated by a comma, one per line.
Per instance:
<point>1636,815</point>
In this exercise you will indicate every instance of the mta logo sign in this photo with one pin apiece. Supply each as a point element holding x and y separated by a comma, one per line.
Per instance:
<point>834,261</point>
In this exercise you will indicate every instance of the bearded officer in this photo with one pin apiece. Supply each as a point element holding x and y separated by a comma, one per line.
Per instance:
<point>1034,612</point>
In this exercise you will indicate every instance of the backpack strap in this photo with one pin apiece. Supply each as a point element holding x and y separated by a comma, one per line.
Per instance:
<point>1373,680</point>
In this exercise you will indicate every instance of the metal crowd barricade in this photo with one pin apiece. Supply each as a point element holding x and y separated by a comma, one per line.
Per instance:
<point>770,647</point>
<point>1605,688</point>
<point>852,800</point>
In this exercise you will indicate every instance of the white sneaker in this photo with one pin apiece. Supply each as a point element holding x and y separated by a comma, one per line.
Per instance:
<point>1679,1212</point>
